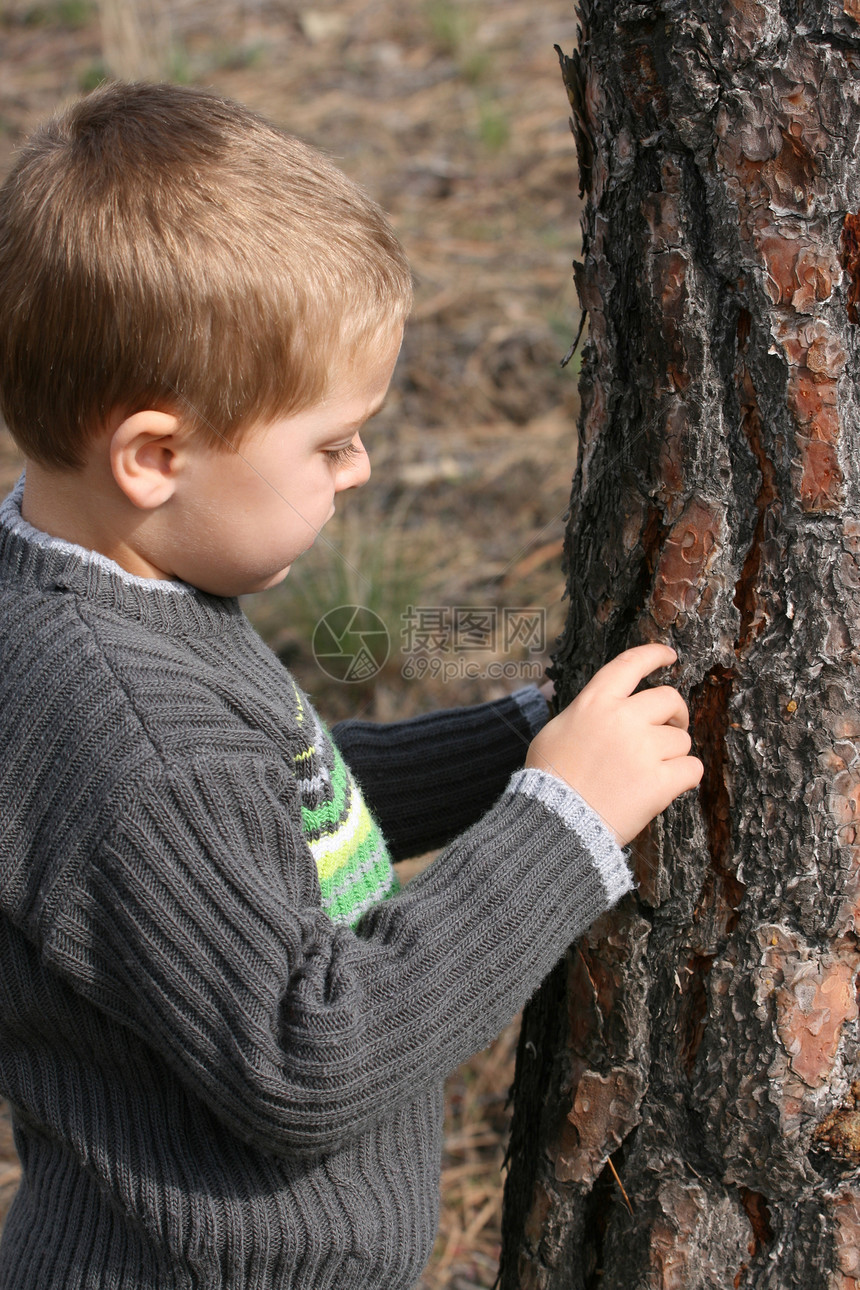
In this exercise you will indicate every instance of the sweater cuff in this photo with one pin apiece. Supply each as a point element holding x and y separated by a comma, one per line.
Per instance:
<point>533,706</point>
<point>579,817</point>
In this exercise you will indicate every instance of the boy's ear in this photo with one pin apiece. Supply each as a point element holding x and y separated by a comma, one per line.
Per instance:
<point>145,453</point>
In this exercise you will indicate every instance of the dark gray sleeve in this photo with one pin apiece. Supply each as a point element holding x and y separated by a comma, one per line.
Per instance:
<point>198,927</point>
<point>429,778</point>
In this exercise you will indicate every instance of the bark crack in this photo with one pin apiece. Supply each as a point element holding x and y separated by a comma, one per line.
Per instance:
<point>652,541</point>
<point>693,1010</point>
<point>845,44</point>
<point>598,1210</point>
<point>758,1213</point>
<point>709,707</point>
<point>753,619</point>
<point>849,257</point>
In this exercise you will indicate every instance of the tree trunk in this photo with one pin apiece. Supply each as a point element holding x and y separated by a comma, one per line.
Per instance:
<point>686,1111</point>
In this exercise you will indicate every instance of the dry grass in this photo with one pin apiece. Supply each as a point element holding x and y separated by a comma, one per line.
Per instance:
<point>453,115</point>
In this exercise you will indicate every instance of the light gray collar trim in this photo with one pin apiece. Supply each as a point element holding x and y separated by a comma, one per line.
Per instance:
<point>12,519</point>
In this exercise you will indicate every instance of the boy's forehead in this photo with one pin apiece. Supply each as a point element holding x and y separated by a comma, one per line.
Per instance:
<point>373,363</point>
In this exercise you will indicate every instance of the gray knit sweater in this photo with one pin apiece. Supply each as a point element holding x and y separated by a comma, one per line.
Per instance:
<point>213,1085</point>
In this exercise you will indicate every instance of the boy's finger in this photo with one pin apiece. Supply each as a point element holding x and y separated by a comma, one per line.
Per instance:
<point>662,706</point>
<point>626,670</point>
<point>672,742</point>
<point>684,772</point>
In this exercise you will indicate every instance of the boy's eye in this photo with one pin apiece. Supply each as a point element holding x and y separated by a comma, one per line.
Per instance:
<point>343,456</point>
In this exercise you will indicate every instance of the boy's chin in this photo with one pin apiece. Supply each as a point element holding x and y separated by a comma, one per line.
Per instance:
<point>265,584</point>
<point>279,577</point>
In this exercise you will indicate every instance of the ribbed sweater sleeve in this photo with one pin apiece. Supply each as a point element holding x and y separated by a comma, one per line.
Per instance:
<point>430,777</point>
<point>193,926</point>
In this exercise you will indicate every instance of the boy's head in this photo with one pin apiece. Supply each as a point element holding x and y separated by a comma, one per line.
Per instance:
<point>162,247</point>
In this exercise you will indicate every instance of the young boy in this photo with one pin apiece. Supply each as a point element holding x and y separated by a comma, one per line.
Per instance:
<point>223,1033</point>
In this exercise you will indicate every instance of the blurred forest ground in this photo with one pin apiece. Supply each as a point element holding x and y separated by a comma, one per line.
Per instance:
<point>452,114</point>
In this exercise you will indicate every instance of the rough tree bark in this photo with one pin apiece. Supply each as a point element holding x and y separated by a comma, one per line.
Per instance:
<point>687,1103</point>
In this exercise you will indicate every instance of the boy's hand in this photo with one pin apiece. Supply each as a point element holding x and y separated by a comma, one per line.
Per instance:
<point>626,754</point>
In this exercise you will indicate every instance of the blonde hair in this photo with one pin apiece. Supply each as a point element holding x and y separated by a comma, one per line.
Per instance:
<point>164,247</point>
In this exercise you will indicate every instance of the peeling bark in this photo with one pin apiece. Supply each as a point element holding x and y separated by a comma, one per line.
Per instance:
<point>700,1048</point>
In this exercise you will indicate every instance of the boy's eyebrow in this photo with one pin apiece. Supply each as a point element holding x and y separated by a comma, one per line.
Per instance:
<point>372,411</point>
<point>377,407</point>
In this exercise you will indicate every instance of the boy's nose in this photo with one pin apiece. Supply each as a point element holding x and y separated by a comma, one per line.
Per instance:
<point>356,472</point>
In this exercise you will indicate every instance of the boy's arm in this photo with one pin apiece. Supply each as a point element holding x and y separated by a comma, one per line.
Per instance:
<point>197,926</point>
<point>430,777</point>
